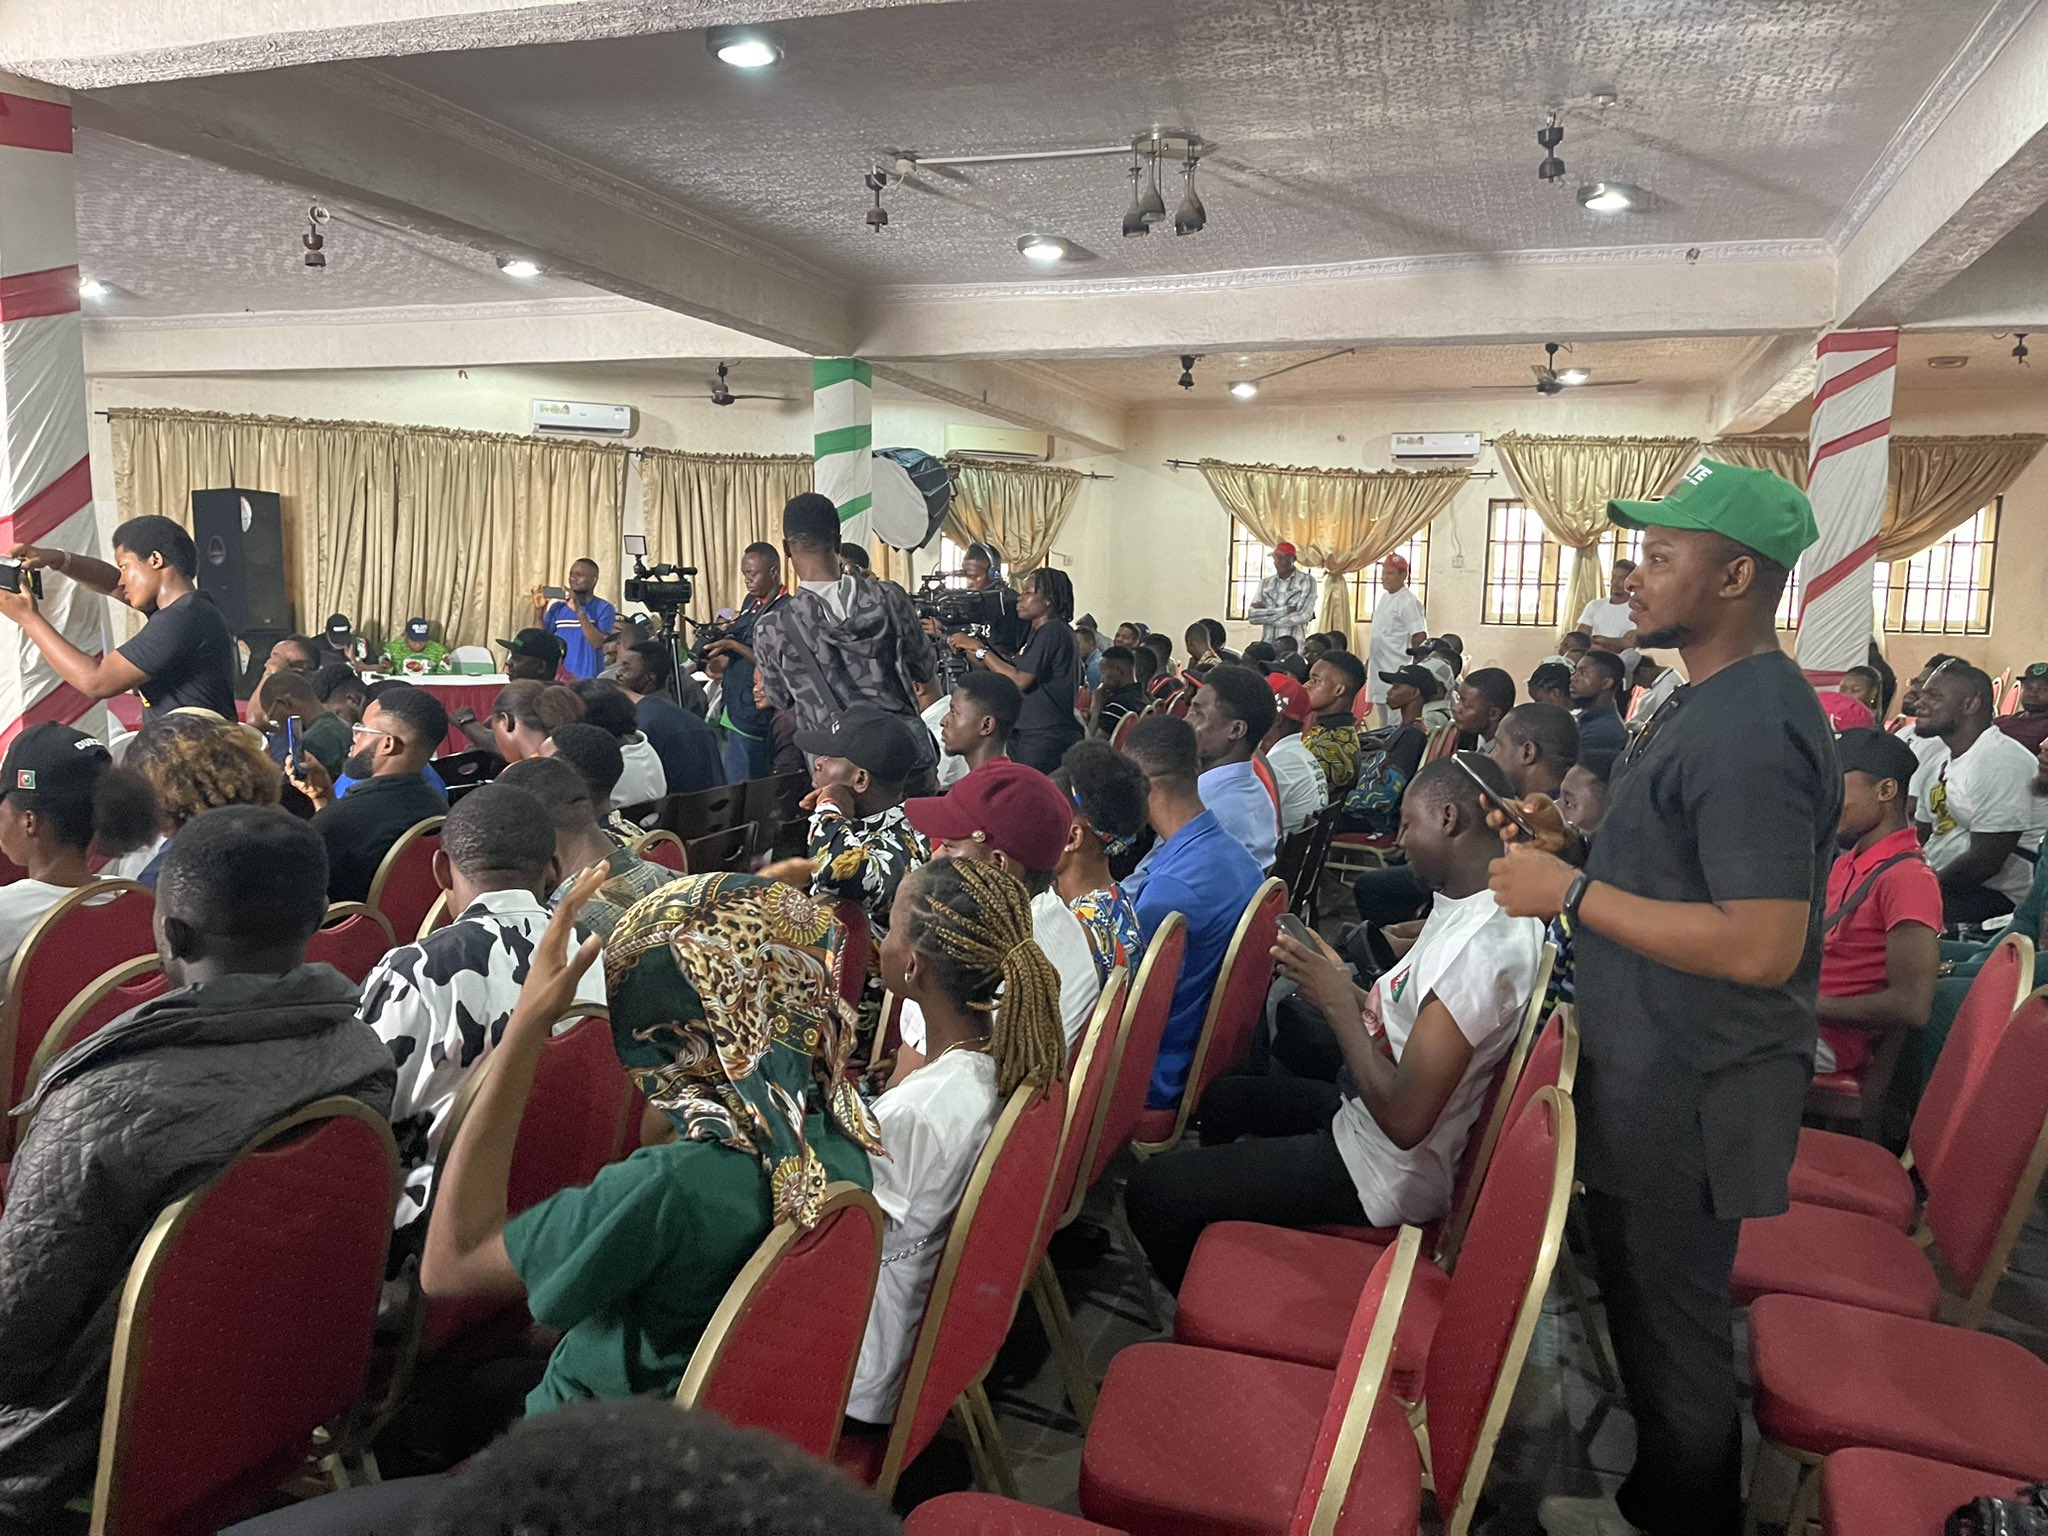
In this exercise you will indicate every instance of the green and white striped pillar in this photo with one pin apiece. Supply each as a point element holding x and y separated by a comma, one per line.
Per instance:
<point>843,433</point>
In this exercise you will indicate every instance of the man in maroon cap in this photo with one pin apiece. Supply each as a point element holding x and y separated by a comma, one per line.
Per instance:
<point>1398,626</point>
<point>1013,816</point>
<point>1287,599</point>
<point>1297,776</point>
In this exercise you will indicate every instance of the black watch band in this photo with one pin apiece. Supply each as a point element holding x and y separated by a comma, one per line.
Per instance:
<point>1574,894</point>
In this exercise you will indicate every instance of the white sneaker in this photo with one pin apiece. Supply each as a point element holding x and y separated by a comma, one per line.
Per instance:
<point>1562,1516</point>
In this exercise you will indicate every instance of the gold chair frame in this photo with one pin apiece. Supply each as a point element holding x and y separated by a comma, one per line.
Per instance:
<point>58,1038</point>
<point>428,826</point>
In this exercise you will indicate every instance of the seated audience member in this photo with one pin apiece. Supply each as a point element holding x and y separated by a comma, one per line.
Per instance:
<point>534,656</point>
<point>974,730</point>
<point>960,949</point>
<point>1551,683</point>
<point>594,752</point>
<point>324,737</point>
<point>1536,746</point>
<point>1655,683</point>
<point>1119,696</point>
<point>1866,687</point>
<point>1201,649</point>
<point>1298,777</point>
<point>1198,870</point>
<point>526,713</point>
<point>1381,1145</point>
<point>1887,680</point>
<point>399,732</point>
<point>860,839</point>
<point>1166,681</point>
<point>1374,802</point>
<point>1881,925</point>
<point>1231,716</point>
<point>1446,661</point>
<point>1335,682</point>
<point>1983,816</point>
<point>1285,646</point>
<point>1130,634</point>
<point>150,1108</point>
<point>1089,644</point>
<point>606,706</point>
<point>1478,704</point>
<point>725,1016</point>
<point>1596,690</point>
<point>2028,725</point>
<point>1219,643</point>
<point>1573,646</point>
<point>294,653</point>
<point>1144,668</point>
<point>61,797</point>
<point>340,645</point>
<point>1844,712</point>
<point>691,756</point>
<point>1110,796</point>
<point>342,692</point>
<point>442,1002</point>
<point>1012,816</point>
<point>1259,656</point>
<point>415,653</point>
<point>581,841</point>
<point>1582,797</point>
<point>628,630</point>
<point>1931,750</point>
<point>195,762</point>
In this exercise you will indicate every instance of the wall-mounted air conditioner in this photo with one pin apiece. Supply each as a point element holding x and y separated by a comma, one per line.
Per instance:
<point>999,443</point>
<point>1436,445</point>
<point>583,418</point>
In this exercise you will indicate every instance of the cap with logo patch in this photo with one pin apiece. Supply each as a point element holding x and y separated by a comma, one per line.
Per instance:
<point>50,759</point>
<point>417,629</point>
<point>1290,698</point>
<point>1757,509</point>
<point>537,644</point>
<point>1420,678</point>
<point>338,629</point>
<point>868,738</point>
<point>2035,671</point>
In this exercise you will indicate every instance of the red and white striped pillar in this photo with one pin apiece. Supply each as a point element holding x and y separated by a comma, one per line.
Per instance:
<point>45,481</point>
<point>1848,463</point>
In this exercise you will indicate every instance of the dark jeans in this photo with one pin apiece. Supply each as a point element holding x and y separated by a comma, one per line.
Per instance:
<point>1290,1177</point>
<point>1973,904</point>
<point>1388,896</point>
<point>1664,1274</point>
<point>746,757</point>
<point>1042,749</point>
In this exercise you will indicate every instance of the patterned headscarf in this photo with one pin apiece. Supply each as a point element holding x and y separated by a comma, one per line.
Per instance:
<point>726,1013</point>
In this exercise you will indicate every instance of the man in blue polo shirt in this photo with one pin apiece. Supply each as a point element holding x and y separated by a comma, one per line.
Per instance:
<point>581,620</point>
<point>1198,870</point>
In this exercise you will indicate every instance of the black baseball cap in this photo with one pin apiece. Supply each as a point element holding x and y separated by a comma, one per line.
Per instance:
<point>50,758</point>
<point>2035,670</point>
<point>1877,753</point>
<point>417,629</point>
<point>1421,679</point>
<point>869,738</point>
<point>538,644</point>
<point>337,627</point>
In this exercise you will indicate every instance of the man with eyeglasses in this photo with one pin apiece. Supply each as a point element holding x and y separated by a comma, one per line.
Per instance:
<point>399,732</point>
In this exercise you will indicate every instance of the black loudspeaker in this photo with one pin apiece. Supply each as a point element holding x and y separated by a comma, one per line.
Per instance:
<point>240,535</point>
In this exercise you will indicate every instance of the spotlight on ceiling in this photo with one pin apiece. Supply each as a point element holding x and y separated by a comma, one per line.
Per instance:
<point>1187,371</point>
<point>1608,196</point>
<point>1572,375</point>
<point>1245,389</point>
<point>1550,135</point>
<point>91,288</point>
<point>1190,217</point>
<point>743,47</point>
<point>518,266</point>
<point>1042,248</point>
<point>1135,222</point>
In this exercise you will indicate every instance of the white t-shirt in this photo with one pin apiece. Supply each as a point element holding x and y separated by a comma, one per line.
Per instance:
<point>1988,788</point>
<point>952,766</point>
<point>1396,621</point>
<point>643,779</point>
<point>1605,619</point>
<point>1304,788</point>
<point>1932,753</point>
<point>22,904</point>
<point>1479,963</point>
<point>1065,942</point>
<point>934,1124</point>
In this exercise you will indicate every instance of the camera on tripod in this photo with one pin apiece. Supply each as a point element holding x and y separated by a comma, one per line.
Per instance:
<point>956,608</point>
<point>664,588</point>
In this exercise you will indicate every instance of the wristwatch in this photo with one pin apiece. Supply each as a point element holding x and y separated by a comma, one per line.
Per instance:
<point>1574,894</point>
<point>981,653</point>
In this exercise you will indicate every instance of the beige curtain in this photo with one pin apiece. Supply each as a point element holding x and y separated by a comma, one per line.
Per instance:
<point>704,509</point>
<point>1016,507</point>
<point>1340,520</point>
<point>1782,456</point>
<point>1570,480</point>
<point>1938,482</point>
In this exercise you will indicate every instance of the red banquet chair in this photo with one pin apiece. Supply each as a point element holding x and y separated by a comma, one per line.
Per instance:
<point>1202,1442</point>
<point>856,951</point>
<point>405,889</point>
<point>1978,1196</point>
<point>128,985</point>
<point>663,848</point>
<point>1852,1174</point>
<point>205,1418</point>
<point>1149,1006</point>
<point>780,1351</point>
<point>980,1279</point>
<point>1235,1009</point>
<point>352,940</point>
<point>1882,1493</point>
<point>1363,1476</point>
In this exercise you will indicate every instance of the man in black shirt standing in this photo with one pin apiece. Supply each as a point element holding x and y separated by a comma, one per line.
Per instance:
<point>399,732</point>
<point>183,657</point>
<point>1697,937</point>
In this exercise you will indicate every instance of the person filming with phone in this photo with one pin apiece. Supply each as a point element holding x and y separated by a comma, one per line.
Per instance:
<point>578,617</point>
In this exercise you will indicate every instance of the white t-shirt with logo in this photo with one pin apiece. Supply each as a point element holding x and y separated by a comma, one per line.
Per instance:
<point>1480,964</point>
<point>1988,788</point>
<point>1396,621</point>
<point>1065,942</point>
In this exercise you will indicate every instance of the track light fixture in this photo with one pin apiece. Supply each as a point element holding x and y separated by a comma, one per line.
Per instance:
<point>1150,152</point>
<point>877,217</point>
<point>1134,216</point>
<point>1187,370</point>
<point>313,240</point>
<point>1190,217</point>
<point>1550,135</point>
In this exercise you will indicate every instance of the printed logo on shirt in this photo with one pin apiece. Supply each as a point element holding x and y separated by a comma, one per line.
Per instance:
<point>1397,983</point>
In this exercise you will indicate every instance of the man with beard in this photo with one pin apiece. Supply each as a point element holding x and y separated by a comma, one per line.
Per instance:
<point>580,619</point>
<point>399,732</point>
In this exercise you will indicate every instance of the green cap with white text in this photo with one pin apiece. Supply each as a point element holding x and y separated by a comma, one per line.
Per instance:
<point>1755,508</point>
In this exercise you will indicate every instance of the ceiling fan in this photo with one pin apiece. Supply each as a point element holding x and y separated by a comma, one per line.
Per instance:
<point>1552,380</point>
<point>721,392</point>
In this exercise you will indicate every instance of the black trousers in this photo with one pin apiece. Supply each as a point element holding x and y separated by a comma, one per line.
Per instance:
<point>1291,1176</point>
<point>1975,904</point>
<point>1042,749</point>
<point>1664,1274</point>
<point>1388,896</point>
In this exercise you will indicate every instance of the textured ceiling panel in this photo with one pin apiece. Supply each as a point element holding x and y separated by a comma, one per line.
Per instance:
<point>175,235</point>
<point>1350,129</point>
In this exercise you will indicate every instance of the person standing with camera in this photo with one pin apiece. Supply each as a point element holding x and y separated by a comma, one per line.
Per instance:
<point>1047,669</point>
<point>748,749</point>
<point>579,618</point>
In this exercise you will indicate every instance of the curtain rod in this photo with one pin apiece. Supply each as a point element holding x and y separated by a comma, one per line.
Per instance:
<point>1085,474</point>
<point>1475,474</point>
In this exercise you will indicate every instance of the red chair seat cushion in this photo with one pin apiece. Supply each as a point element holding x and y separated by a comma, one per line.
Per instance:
<point>1852,1174</point>
<point>861,1453</point>
<point>1842,1084</point>
<point>1200,1442</point>
<point>1828,1377</point>
<point>1155,1125</point>
<point>1882,1493</point>
<point>983,1514</point>
<point>1287,1295</point>
<point>1814,1250</point>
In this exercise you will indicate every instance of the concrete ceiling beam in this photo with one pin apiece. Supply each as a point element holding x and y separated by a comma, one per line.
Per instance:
<point>1024,396</point>
<point>1779,374</point>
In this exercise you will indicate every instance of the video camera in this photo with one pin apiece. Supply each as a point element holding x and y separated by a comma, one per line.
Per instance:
<point>955,608</point>
<point>707,635</point>
<point>664,588</point>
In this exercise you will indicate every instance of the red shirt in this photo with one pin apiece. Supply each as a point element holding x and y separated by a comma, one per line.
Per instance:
<point>2028,730</point>
<point>1852,956</point>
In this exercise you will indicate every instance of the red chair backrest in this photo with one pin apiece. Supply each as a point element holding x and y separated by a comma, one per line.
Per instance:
<point>780,1351</point>
<point>246,1324</point>
<point>1359,1408</point>
<point>1994,1154</point>
<point>1242,983</point>
<point>405,886</point>
<point>70,946</point>
<point>856,949</point>
<point>1088,1080</point>
<point>981,1275</point>
<point>1973,1039</point>
<point>354,944</point>
<point>1123,729</point>
<point>1145,1013</point>
<point>1490,1309</point>
<point>663,848</point>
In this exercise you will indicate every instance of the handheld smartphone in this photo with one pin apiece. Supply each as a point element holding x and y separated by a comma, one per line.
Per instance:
<point>554,594</point>
<point>291,737</point>
<point>1297,930</point>
<point>1493,798</point>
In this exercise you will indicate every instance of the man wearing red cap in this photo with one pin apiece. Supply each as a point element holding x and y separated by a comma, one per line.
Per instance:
<point>1397,627</point>
<point>1287,598</point>
<point>1297,774</point>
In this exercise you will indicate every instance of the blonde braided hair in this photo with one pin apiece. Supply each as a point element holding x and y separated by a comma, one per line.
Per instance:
<point>972,919</point>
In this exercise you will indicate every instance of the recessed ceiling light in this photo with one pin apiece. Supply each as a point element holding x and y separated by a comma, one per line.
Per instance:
<point>1573,375</point>
<point>1042,248</point>
<point>743,47</point>
<point>1244,389</point>
<point>1608,196</point>
<point>1948,362</point>
<point>91,288</point>
<point>518,266</point>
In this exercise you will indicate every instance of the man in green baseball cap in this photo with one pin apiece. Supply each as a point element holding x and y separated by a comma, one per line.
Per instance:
<point>1753,507</point>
